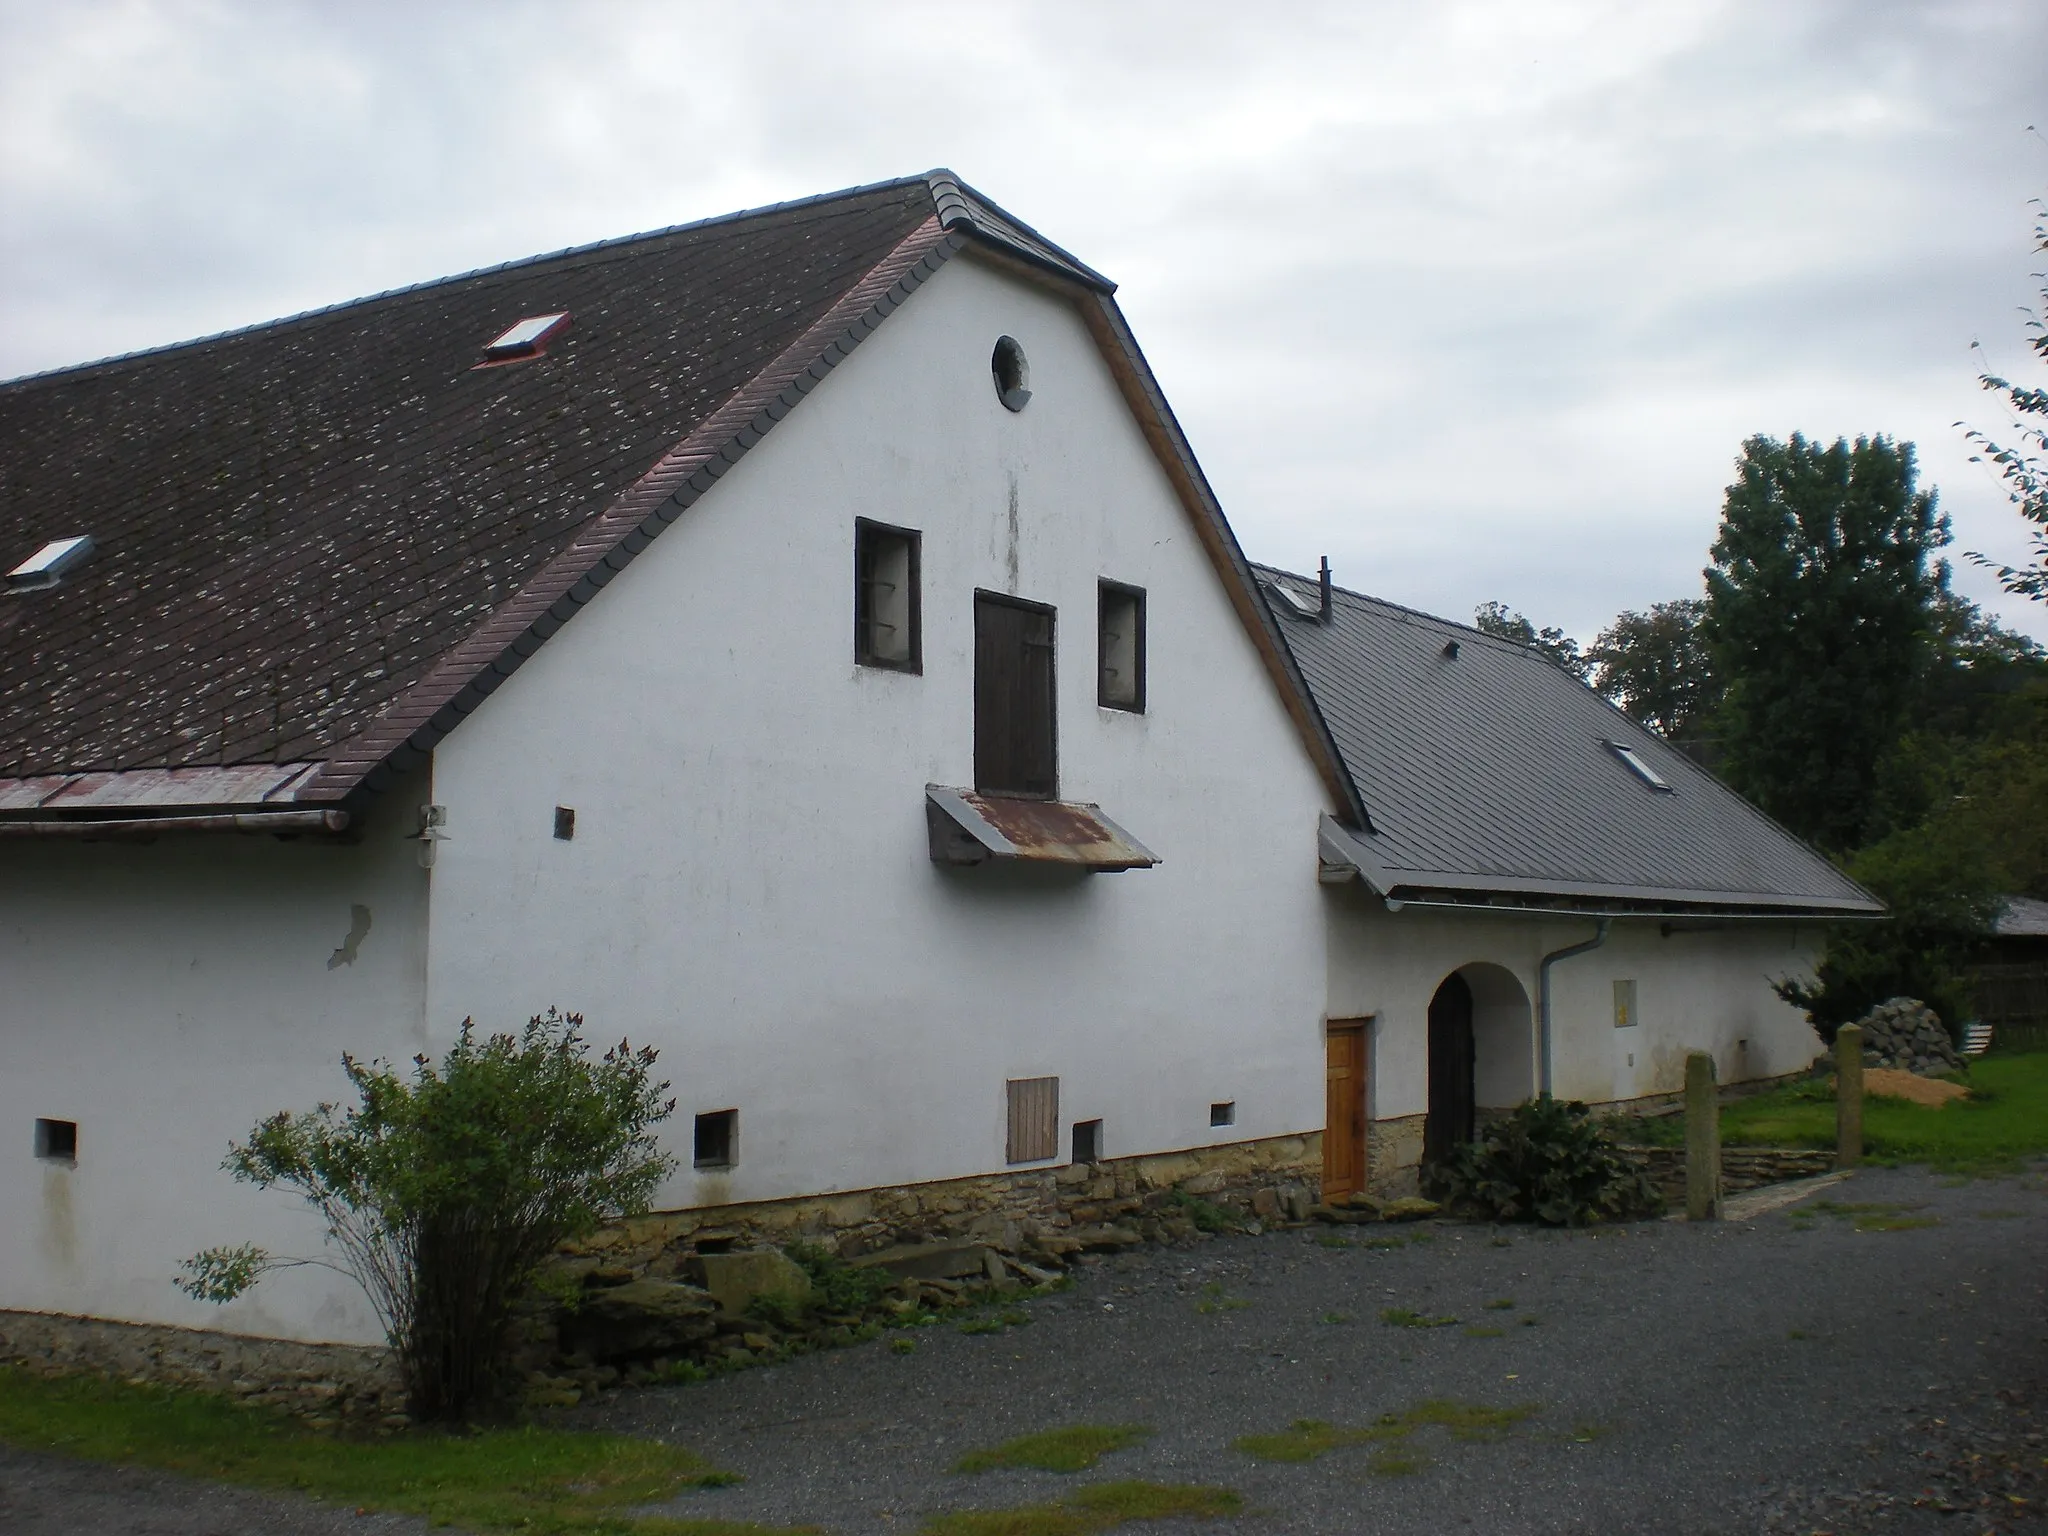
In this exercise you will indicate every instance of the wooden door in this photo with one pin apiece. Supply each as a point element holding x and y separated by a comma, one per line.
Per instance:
<point>1452,1101</point>
<point>1014,729</point>
<point>1344,1165</point>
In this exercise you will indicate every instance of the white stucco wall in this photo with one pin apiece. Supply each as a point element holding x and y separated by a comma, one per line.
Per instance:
<point>749,886</point>
<point>165,996</point>
<point>1702,987</point>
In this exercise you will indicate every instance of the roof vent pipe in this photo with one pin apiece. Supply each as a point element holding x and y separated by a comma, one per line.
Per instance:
<point>1543,996</point>
<point>1325,579</point>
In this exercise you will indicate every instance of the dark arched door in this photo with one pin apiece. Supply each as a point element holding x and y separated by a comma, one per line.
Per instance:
<point>1451,1117</point>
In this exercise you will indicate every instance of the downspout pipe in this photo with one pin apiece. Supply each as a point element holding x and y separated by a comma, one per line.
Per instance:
<point>1543,994</point>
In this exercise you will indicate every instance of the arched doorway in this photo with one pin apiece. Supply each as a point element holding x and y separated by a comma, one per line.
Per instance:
<point>1453,1104</point>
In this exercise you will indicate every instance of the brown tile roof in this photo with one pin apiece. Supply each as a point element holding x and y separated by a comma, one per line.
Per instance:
<point>323,541</point>
<point>295,522</point>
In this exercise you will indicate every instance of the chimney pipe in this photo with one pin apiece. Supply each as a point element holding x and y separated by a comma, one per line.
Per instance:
<point>1327,605</point>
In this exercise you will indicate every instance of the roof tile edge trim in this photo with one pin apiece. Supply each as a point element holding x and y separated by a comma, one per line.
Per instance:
<point>472,670</point>
<point>1162,430</point>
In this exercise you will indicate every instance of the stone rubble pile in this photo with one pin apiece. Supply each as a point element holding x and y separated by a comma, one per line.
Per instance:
<point>1906,1034</point>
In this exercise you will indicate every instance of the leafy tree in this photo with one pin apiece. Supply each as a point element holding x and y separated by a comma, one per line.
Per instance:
<point>1658,667</point>
<point>1820,616</point>
<point>2023,465</point>
<point>1503,623</point>
<point>1942,891</point>
<point>446,1189</point>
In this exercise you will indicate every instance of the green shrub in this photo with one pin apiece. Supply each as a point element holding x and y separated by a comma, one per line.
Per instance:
<point>837,1286</point>
<point>1550,1162</point>
<point>447,1189</point>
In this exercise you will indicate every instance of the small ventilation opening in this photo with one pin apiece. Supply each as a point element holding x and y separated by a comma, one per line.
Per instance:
<point>718,1135</point>
<point>528,338</point>
<point>57,1140</point>
<point>565,822</point>
<point>1087,1141</point>
<point>48,565</point>
<point>1012,373</point>
<point>1224,1113</point>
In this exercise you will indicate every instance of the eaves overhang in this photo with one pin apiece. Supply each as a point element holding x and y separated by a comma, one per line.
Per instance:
<point>252,797</point>
<point>1344,855</point>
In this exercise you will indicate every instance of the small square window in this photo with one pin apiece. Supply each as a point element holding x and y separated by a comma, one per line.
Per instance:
<point>565,822</point>
<point>1624,1004</point>
<point>57,1140</point>
<point>718,1139</point>
<point>886,622</point>
<point>1087,1141</point>
<point>1120,650</point>
<point>1224,1113</point>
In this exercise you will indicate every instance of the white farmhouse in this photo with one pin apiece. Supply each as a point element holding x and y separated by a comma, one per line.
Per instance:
<point>802,641</point>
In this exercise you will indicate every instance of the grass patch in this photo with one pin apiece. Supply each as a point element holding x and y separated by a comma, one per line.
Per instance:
<point>1308,1439</point>
<point>2003,1122</point>
<point>535,1481</point>
<point>1215,1299</point>
<point>1876,1216</point>
<point>1404,1317</point>
<point>1332,1240</point>
<point>1100,1508</point>
<point>1504,1304</point>
<point>1206,1216</point>
<point>1385,1244</point>
<point>1334,1318</point>
<point>1480,1331</point>
<point>1073,1449</point>
<point>1395,1464</point>
<point>997,1322</point>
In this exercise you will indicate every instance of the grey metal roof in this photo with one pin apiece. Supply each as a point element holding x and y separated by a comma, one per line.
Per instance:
<point>1490,776</point>
<point>2023,918</point>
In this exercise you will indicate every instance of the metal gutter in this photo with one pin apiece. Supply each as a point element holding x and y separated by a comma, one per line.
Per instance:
<point>145,826</point>
<point>1543,997</point>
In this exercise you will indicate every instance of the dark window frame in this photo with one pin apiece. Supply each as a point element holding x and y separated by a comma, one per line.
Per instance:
<point>1107,592</point>
<point>728,1121</point>
<point>866,530</point>
<point>1052,692</point>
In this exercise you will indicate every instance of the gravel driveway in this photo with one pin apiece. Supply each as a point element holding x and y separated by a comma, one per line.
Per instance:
<point>1783,1373</point>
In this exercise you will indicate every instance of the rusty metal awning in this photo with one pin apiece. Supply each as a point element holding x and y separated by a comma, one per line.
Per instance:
<point>971,828</point>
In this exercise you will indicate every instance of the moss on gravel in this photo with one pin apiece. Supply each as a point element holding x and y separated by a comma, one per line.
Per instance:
<point>1075,1448</point>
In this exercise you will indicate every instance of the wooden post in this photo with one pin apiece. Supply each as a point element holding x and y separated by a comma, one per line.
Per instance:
<point>1848,1096</point>
<point>1702,1139</point>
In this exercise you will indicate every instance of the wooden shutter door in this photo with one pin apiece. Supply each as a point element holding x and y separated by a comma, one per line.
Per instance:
<point>1034,1131</point>
<point>1014,737</point>
<point>1344,1166</point>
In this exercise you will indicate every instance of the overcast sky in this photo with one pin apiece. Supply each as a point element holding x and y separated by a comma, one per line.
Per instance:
<point>1480,300</point>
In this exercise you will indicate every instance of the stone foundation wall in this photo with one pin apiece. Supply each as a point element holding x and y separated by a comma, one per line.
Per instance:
<point>1053,1212</point>
<point>1741,1167</point>
<point>325,1384</point>
<point>1393,1154</point>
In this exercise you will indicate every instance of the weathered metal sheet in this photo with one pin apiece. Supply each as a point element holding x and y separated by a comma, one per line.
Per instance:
<point>971,828</point>
<point>249,784</point>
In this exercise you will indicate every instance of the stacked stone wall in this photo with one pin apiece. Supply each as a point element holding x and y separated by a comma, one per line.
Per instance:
<point>325,1384</point>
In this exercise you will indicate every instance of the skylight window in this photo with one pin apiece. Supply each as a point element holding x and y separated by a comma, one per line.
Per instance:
<point>47,566</point>
<point>1638,765</point>
<point>1304,606</point>
<point>529,338</point>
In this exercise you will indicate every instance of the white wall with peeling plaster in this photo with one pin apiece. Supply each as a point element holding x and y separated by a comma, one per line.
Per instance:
<point>749,887</point>
<point>165,996</point>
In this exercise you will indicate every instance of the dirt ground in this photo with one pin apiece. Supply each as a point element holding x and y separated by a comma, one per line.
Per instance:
<point>1819,1367</point>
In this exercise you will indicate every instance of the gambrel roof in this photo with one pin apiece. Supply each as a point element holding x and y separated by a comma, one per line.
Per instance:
<point>1495,777</point>
<point>320,542</point>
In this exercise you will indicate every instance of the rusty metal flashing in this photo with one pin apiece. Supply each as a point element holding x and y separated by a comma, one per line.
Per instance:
<point>472,670</point>
<point>329,820</point>
<point>967,828</point>
<point>250,785</point>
